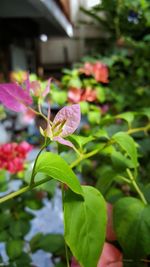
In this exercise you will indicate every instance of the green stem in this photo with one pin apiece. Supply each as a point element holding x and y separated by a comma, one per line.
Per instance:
<point>124,179</point>
<point>85,156</point>
<point>66,248</point>
<point>136,187</point>
<point>140,129</point>
<point>34,184</point>
<point>33,171</point>
<point>76,162</point>
<point>67,256</point>
<point>23,190</point>
<point>92,153</point>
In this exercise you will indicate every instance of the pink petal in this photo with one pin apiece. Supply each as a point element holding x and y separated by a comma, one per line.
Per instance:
<point>47,89</point>
<point>110,256</point>
<point>36,88</point>
<point>28,116</point>
<point>100,72</point>
<point>69,116</point>
<point>110,234</point>
<point>74,95</point>
<point>63,141</point>
<point>74,263</point>
<point>14,97</point>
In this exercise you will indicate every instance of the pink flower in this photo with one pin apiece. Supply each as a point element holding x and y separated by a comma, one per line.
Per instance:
<point>37,90</point>
<point>17,98</point>
<point>74,263</point>
<point>87,68</point>
<point>100,72</point>
<point>110,257</point>
<point>65,123</point>
<point>74,95</point>
<point>14,97</point>
<point>89,95</point>
<point>28,116</point>
<point>13,155</point>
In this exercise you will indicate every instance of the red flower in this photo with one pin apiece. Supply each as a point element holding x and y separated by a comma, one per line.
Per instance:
<point>13,155</point>
<point>87,69</point>
<point>89,95</point>
<point>110,257</point>
<point>98,70</point>
<point>75,95</point>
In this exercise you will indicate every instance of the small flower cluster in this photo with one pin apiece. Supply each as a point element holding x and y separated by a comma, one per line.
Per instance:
<point>98,70</point>
<point>13,155</point>
<point>76,95</point>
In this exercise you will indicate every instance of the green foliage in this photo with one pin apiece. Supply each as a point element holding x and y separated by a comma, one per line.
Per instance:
<point>132,224</point>
<point>127,143</point>
<point>85,225</point>
<point>55,167</point>
<point>14,248</point>
<point>112,148</point>
<point>125,50</point>
<point>53,243</point>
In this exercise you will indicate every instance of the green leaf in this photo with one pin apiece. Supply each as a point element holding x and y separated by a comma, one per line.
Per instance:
<point>59,97</point>
<point>81,140</point>
<point>23,260</point>
<point>4,236</point>
<point>100,133</point>
<point>3,181</point>
<point>34,204</point>
<point>94,117</point>
<point>146,191</point>
<point>146,112</point>
<point>35,241</point>
<point>84,107</point>
<point>100,91</point>
<point>127,116</point>
<point>53,243</point>
<point>121,162</point>
<point>14,248</point>
<point>113,194</point>
<point>5,220</point>
<point>55,167</point>
<point>107,176</point>
<point>49,187</point>
<point>75,82</point>
<point>85,225</point>
<point>127,143</point>
<point>19,228</point>
<point>132,226</point>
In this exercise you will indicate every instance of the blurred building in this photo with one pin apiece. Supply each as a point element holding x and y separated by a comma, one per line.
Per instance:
<point>43,35</point>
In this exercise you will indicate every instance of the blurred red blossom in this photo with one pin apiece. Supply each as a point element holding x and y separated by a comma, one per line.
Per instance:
<point>13,155</point>
<point>110,257</point>
<point>75,95</point>
<point>98,70</point>
<point>28,116</point>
